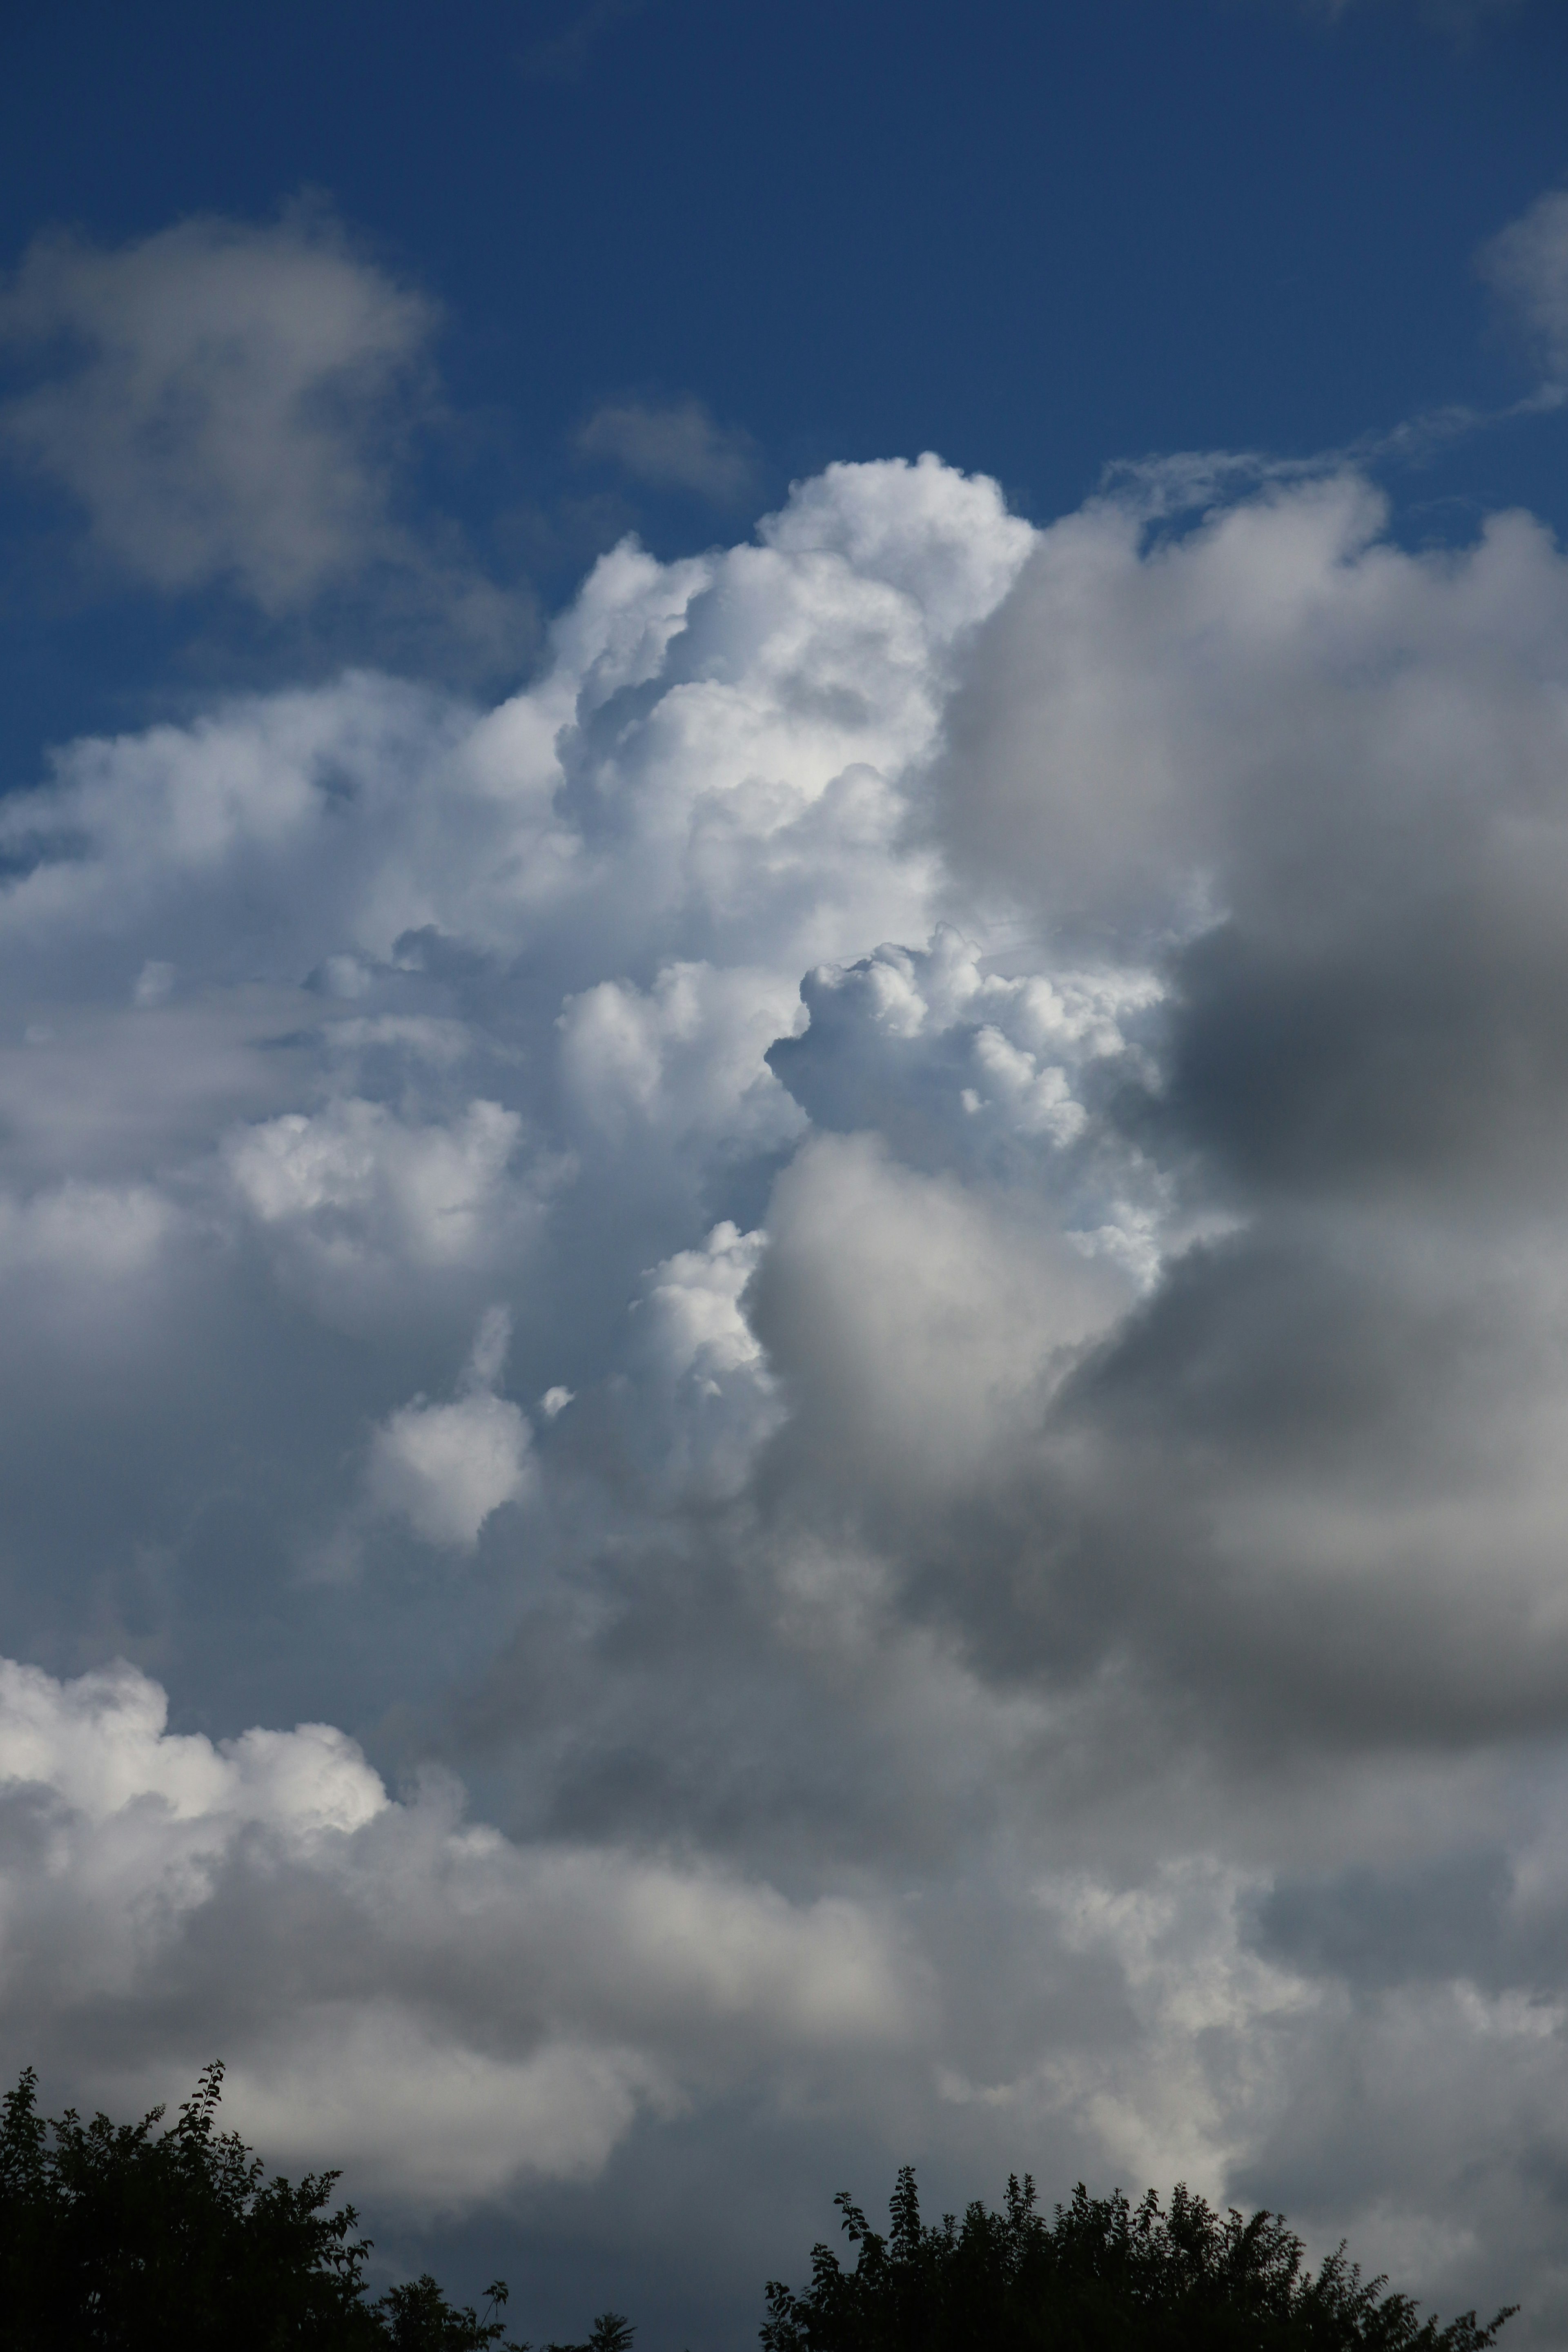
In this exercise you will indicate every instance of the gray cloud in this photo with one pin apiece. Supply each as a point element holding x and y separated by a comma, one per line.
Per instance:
<point>673,446</point>
<point>238,408</point>
<point>246,1856</point>
<point>1526,265</point>
<point>221,400</point>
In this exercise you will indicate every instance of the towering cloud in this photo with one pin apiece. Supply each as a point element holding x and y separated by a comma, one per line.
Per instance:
<point>888,1256</point>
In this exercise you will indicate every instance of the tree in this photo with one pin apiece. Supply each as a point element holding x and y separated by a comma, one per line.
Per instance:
<point>611,2332</point>
<point>1101,2276</point>
<point>122,2238</point>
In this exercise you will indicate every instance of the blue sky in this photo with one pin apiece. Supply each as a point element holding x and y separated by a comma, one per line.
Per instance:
<point>1034,240</point>
<point>783,1113</point>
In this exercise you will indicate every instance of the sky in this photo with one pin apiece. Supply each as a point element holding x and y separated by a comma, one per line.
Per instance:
<point>784,1099</point>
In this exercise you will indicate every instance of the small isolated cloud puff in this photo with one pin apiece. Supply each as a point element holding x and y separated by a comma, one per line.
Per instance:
<point>84,1234</point>
<point>219,398</point>
<point>672,446</point>
<point>446,1468</point>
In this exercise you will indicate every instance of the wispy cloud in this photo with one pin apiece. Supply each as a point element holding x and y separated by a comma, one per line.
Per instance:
<point>1527,265</point>
<point>239,407</point>
<point>222,401</point>
<point>672,445</point>
<point>565,56</point>
<point>1453,15</point>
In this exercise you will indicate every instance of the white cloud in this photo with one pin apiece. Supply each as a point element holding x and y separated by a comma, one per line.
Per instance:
<point>354,1174</point>
<point>154,982</point>
<point>684,1055</point>
<point>920,1324</point>
<point>446,1468</point>
<point>77,1232</point>
<point>705,1397</point>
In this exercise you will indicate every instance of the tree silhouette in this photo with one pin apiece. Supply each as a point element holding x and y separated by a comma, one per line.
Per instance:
<point>126,2238</point>
<point>1100,2276</point>
<point>122,2238</point>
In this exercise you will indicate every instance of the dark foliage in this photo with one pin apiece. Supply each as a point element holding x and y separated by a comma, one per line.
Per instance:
<point>126,2238</point>
<point>122,2238</point>
<point>1101,2276</point>
<point>612,2332</point>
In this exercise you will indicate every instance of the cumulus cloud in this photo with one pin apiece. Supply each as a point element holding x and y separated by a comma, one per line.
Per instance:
<point>355,1200</point>
<point>446,1467</point>
<point>919,1321</point>
<point>183,1886</point>
<point>1002,1090</point>
<point>673,446</point>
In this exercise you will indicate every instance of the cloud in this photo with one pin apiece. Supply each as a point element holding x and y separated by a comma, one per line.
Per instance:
<point>585,1986</point>
<point>916,1320</point>
<point>1342,820</point>
<point>676,446</point>
<point>1458,17</point>
<point>1002,1088</point>
<point>354,1198</point>
<point>1526,265</point>
<point>222,401</point>
<point>448,1467</point>
<point>564,57</point>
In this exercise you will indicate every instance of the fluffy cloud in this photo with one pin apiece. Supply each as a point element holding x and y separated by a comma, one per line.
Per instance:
<point>187,1886</point>
<point>446,1467</point>
<point>1002,1090</point>
<point>920,1323</point>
